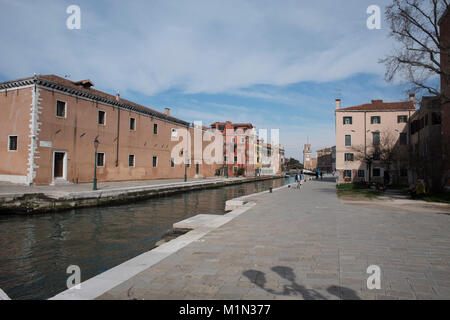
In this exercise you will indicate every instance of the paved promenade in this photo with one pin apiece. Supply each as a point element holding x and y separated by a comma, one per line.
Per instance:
<point>306,244</point>
<point>9,188</point>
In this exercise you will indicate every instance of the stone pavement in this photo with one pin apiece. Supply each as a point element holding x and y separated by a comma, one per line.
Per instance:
<point>306,244</point>
<point>9,188</point>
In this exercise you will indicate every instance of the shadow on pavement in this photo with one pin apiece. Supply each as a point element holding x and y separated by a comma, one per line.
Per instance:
<point>259,278</point>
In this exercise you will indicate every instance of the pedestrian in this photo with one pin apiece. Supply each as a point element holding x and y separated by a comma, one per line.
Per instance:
<point>321,175</point>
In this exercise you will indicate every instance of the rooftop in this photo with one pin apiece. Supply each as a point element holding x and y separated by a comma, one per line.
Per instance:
<point>83,88</point>
<point>379,105</point>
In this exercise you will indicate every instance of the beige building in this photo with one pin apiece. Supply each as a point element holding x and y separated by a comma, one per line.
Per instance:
<point>371,139</point>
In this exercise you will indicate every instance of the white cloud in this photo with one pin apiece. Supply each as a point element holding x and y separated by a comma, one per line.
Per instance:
<point>195,46</point>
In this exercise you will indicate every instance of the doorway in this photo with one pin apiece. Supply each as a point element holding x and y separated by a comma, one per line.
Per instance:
<point>59,165</point>
<point>197,168</point>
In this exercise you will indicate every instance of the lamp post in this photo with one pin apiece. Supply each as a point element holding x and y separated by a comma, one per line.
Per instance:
<point>96,142</point>
<point>185,169</point>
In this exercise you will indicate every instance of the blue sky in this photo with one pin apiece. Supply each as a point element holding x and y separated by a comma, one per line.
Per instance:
<point>276,64</point>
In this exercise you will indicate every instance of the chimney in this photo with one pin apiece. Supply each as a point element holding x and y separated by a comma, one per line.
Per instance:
<point>412,98</point>
<point>338,104</point>
<point>167,111</point>
<point>117,96</point>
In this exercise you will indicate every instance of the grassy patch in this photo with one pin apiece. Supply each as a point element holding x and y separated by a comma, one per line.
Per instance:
<point>355,191</point>
<point>438,197</point>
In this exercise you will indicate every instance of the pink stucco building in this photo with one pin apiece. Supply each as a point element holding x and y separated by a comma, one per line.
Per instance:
<point>361,129</point>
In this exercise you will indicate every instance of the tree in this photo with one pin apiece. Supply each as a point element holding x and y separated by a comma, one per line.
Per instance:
<point>294,164</point>
<point>387,152</point>
<point>415,26</point>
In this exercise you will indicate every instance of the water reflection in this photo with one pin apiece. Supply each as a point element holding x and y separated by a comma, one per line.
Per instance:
<point>36,250</point>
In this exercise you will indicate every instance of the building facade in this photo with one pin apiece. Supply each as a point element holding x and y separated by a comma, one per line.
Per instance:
<point>425,152</point>
<point>444,26</point>
<point>373,138</point>
<point>49,125</point>
<point>325,159</point>
<point>238,149</point>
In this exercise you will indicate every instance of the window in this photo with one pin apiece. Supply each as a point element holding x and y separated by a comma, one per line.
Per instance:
<point>235,169</point>
<point>100,159</point>
<point>12,143</point>
<point>347,173</point>
<point>376,138</point>
<point>348,140</point>
<point>348,156</point>
<point>376,172</point>
<point>375,120</point>
<point>347,120</point>
<point>132,124</point>
<point>174,133</point>
<point>155,161</point>
<point>188,163</point>
<point>131,160</point>
<point>172,163</point>
<point>101,117</point>
<point>235,158</point>
<point>402,119</point>
<point>155,128</point>
<point>403,138</point>
<point>361,173</point>
<point>403,172</point>
<point>60,109</point>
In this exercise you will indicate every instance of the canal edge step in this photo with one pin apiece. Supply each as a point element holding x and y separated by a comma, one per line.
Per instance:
<point>100,284</point>
<point>42,202</point>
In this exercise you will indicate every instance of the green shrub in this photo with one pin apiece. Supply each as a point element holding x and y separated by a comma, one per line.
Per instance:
<point>241,172</point>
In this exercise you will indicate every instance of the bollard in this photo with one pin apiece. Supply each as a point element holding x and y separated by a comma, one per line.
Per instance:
<point>270,189</point>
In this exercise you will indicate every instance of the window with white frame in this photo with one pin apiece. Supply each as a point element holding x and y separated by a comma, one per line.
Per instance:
<point>100,159</point>
<point>101,117</point>
<point>12,143</point>
<point>61,107</point>
<point>131,160</point>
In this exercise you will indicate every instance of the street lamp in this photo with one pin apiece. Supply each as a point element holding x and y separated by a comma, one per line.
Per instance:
<point>185,169</point>
<point>96,143</point>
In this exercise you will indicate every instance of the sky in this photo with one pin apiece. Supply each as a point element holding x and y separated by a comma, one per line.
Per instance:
<point>276,64</point>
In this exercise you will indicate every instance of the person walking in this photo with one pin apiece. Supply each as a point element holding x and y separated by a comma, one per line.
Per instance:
<point>321,175</point>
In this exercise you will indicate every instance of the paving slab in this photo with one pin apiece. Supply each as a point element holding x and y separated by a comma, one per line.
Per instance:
<point>305,244</point>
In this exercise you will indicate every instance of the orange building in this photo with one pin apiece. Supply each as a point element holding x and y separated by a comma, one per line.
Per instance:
<point>48,126</point>
<point>239,142</point>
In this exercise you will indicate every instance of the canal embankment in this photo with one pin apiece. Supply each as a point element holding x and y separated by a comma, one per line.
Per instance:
<point>24,201</point>
<point>190,230</point>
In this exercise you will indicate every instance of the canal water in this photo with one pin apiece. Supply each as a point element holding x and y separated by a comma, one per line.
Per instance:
<point>36,250</point>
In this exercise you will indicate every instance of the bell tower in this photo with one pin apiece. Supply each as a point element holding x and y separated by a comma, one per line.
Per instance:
<point>307,156</point>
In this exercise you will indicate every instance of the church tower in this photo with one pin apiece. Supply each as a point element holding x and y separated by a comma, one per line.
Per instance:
<point>307,156</point>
